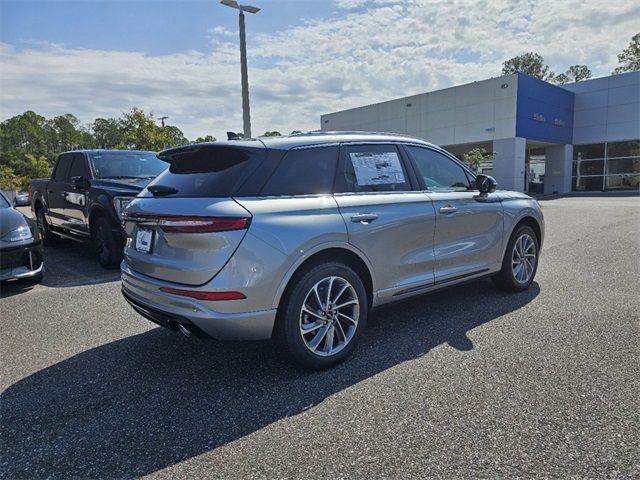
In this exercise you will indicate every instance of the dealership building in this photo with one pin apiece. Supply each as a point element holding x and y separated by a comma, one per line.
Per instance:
<point>544,138</point>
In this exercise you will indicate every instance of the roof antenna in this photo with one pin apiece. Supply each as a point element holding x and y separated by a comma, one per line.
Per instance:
<point>232,136</point>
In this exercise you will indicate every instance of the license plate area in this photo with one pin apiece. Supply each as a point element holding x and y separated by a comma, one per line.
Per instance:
<point>144,240</point>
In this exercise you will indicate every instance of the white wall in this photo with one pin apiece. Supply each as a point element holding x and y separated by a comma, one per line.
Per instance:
<point>508,163</point>
<point>476,112</point>
<point>606,109</point>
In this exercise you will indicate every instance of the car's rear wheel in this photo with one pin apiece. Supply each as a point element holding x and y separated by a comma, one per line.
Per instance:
<point>107,247</point>
<point>520,261</point>
<point>48,237</point>
<point>323,315</point>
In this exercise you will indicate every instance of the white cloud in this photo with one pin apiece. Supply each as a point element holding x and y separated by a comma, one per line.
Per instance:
<point>363,56</point>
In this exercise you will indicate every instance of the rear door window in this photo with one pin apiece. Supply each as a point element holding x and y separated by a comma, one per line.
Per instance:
<point>208,171</point>
<point>372,168</point>
<point>62,167</point>
<point>304,171</point>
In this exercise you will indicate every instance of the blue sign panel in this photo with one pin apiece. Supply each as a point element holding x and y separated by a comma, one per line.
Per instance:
<point>544,112</point>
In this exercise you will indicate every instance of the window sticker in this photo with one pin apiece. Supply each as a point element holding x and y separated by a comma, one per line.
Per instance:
<point>377,168</point>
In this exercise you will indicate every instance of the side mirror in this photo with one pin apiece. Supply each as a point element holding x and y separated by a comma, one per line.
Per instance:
<point>80,183</point>
<point>486,184</point>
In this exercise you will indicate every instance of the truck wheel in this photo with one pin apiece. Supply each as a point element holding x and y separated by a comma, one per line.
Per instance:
<point>48,238</point>
<point>106,246</point>
<point>321,318</point>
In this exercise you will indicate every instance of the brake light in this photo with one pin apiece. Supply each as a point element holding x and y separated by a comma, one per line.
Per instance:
<point>202,224</point>
<point>200,295</point>
<point>184,224</point>
<point>30,192</point>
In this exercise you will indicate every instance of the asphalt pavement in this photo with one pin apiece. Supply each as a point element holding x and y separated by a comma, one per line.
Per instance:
<point>464,383</point>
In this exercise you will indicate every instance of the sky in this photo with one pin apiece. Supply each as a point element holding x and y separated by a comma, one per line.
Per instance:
<point>99,58</point>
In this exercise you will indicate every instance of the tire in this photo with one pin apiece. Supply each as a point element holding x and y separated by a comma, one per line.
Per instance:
<point>106,245</point>
<point>338,329</point>
<point>519,270</point>
<point>48,238</point>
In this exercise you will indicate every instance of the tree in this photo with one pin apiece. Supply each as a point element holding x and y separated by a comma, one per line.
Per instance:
<point>205,139</point>
<point>295,132</point>
<point>107,133</point>
<point>629,58</point>
<point>474,158</point>
<point>9,180</point>
<point>272,134</point>
<point>530,63</point>
<point>575,73</point>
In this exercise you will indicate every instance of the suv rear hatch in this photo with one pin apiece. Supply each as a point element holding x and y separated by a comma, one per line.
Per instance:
<point>184,227</point>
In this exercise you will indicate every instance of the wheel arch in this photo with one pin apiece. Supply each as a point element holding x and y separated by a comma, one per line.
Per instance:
<point>532,222</point>
<point>334,253</point>
<point>96,212</point>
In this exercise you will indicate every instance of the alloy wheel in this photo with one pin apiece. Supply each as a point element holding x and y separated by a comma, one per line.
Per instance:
<point>524,258</point>
<point>329,316</point>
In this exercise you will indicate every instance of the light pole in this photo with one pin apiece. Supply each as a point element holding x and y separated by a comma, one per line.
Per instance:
<point>246,115</point>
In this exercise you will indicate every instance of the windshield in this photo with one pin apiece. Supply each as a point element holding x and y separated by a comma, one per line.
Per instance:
<point>4,203</point>
<point>127,164</point>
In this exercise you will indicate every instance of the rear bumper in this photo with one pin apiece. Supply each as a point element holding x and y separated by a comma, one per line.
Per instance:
<point>24,261</point>
<point>200,317</point>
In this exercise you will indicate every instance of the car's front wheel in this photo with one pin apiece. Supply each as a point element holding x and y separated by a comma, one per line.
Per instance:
<point>323,315</point>
<point>520,261</point>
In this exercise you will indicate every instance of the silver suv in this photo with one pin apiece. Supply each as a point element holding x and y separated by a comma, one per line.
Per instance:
<point>299,237</point>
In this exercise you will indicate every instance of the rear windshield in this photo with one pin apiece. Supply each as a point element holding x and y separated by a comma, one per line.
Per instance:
<point>126,164</point>
<point>209,171</point>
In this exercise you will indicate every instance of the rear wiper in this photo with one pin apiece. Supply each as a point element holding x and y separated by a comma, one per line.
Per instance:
<point>161,190</point>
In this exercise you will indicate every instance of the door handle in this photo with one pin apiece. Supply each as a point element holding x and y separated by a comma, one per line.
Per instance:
<point>448,210</point>
<point>364,217</point>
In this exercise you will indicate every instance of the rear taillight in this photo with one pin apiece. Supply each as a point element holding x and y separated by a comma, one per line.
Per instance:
<point>180,224</point>
<point>202,224</point>
<point>200,295</point>
<point>30,192</point>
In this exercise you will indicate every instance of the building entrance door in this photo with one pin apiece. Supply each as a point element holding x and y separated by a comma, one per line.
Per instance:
<point>534,170</point>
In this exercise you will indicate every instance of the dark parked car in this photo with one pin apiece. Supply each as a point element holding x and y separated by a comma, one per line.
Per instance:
<point>21,255</point>
<point>86,193</point>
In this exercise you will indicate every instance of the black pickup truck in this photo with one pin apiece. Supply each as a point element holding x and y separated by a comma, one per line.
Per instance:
<point>86,193</point>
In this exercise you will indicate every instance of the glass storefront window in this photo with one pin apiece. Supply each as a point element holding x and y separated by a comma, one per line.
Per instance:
<point>625,181</point>
<point>594,150</point>
<point>588,167</point>
<point>623,165</point>
<point>630,148</point>
<point>587,184</point>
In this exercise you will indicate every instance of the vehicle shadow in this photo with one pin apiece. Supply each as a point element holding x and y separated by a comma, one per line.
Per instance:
<point>67,264</point>
<point>149,401</point>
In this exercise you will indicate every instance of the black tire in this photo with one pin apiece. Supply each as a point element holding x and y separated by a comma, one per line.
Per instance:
<point>344,334</point>
<point>506,278</point>
<point>106,245</point>
<point>48,237</point>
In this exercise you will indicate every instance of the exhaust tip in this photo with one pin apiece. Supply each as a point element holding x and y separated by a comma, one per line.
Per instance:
<point>184,330</point>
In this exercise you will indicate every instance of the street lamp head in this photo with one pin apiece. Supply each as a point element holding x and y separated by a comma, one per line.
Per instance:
<point>242,8</point>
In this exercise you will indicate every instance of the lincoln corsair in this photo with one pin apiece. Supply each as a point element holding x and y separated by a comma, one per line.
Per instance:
<point>298,238</point>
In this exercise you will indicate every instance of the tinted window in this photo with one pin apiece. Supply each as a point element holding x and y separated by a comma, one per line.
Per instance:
<point>78,168</point>
<point>371,168</point>
<point>440,173</point>
<point>62,167</point>
<point>304,171</point>
<point>126,164</point>
<point>594,150</point>
<point>209,171</point>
